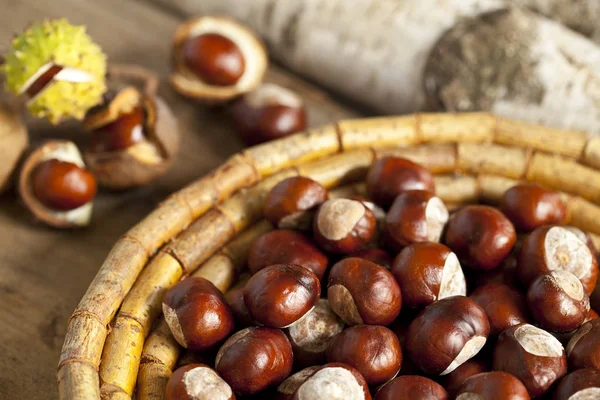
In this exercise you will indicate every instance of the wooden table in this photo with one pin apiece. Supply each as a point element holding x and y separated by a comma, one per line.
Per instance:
<point>44,272</point>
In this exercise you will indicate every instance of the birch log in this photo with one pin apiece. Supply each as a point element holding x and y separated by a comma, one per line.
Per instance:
<point>375,51</point>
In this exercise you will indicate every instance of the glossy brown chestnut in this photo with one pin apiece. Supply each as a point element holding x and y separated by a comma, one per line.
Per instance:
<point>553,247</point>
<point>373,350</point>
<point>428,272</point>
<point>214,58</point>
<point>62,186</point>
<point>375,255</point>
<point>481,236</point>
<point>532,355</point>
<point>583,384</point>
<point>446,334</point>
<point>310,337</point>
<point>454,380</point>
<point>255,358</point>
<point>361,292</point>
<point>343,226</point>
<point>197,382</point>
<point>279,295</point>
<point>503,305</point>
<point>287,388</point>
<point>390,176</point>
<point>495,385</point>
<point>267,113</point>
<point>505,273</point>
<point>235,299</point>
<point>286,247</point>
<point>290,203</point>
<point>530,206</point>
<point>122,133</point>
<point>334,381</point>
<point>557,301</point>
<point>411,387</point>
<point>583,350</point>
<point>415,216</point>
<point>197,313</point>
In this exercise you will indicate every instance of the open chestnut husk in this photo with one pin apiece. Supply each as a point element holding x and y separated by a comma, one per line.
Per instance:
<point>56,186</point>
<point>134,139</point>
<point>14,140</point>
<point>215,59</point>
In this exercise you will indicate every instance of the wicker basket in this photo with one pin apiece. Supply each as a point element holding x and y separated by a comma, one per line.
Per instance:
<point>116,341</point>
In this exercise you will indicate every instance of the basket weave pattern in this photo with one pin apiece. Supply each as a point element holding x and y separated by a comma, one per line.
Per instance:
<point>115,339</point>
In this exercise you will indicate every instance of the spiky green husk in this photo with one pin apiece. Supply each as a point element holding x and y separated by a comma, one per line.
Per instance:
<point>64,44</point>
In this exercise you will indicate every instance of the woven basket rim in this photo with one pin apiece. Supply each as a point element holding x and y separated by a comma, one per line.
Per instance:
<point>104,345</point>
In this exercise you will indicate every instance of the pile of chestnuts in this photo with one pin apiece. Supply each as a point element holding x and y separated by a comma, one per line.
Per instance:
<point>393,296</point>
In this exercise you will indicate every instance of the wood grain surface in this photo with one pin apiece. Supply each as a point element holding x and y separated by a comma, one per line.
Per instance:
<point>44,272</point>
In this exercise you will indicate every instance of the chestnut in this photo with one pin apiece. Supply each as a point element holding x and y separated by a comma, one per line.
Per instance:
<point>551,248</point>
<point>197,382</point>
<point>216,59</point>
<point>235,299</point>
<point>411,387</point>
<point>267,113</point>
<point>454,380</point>
<point>446,334</point>
<point>529,206</point>
<point>557,301</point>
<point>279,295</point>
<point>134,138</point>
<point>583,384</point>
<point>361,292</point>
<point>286,247</point>
<point>375,255</point>
<point>428,272</point>
<point>373,350</point>
<point>505,273</point>
<point>56,186</point>
<point>583,350</point>
<point>495,385</point>
<point>290,203</point>
<point>532,355</point>
<point>503,305</point>
<point>584,237</point>
<point>415,216</point>
<point>197,313</point>
<point>390,176</point>
<point>481,236</point>
<point>255,358</point>
<point>334,381</point>
<point>310,337</point>
<point>343,226</point>
<point>287,388</point>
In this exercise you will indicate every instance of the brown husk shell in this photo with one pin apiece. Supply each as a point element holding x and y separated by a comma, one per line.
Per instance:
<point>14,140</point>
<point>57,219</point>
<point>188,84</point>
<point>120,170</point>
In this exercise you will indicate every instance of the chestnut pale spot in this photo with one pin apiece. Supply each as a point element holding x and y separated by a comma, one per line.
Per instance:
<point>592,393</point>
<point>333,384</point>
<point>345,307</point>
<point>453,279</point>
<point>470,396</point>
<point>173,322</point>
<point>436,215</point>
<point>470,349</point>
<point>291,384</point>
<point>338,217</point>
<point>538,342</point>
<point>568,283</point>
<point>315,330</point>
<point>203,383</point>
<point>272,95</point>
<point>581,332</point>
<point>564,250</point>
